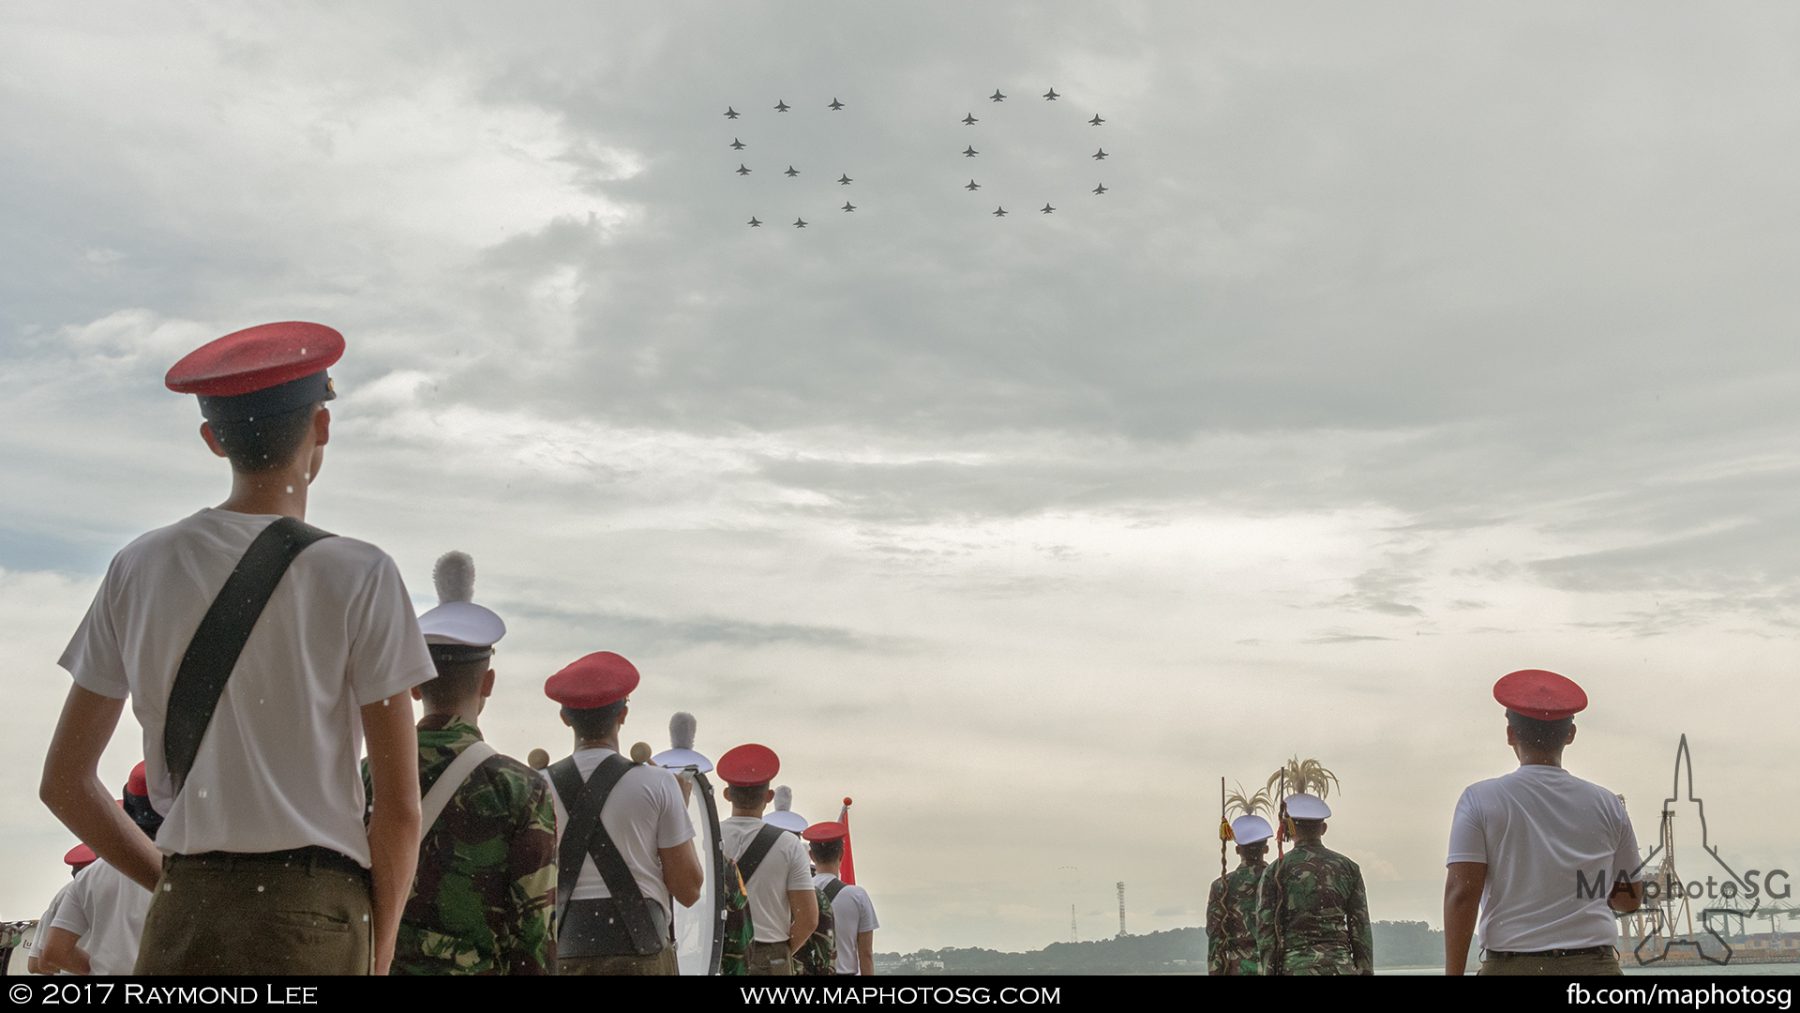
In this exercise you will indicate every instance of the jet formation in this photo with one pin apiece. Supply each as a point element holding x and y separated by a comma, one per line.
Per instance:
<point>1050,95</point>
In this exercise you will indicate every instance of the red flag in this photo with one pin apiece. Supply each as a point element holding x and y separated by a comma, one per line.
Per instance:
<point>847,871</point>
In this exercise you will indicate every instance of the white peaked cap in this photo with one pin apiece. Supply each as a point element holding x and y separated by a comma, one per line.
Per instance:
<point>1251,830</point>
<point>1307,807</point>
<point>784,815</point>
<point>457,619</point>
<point>681,738</point>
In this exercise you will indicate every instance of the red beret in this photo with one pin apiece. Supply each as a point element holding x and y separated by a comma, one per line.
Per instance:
<point>137,784</point>
<point>80,855</point>
<point>263,370</point>
<point>1535,693</point>
<point>597,680</point>
<point>749,765</point>
<point>832,831</point>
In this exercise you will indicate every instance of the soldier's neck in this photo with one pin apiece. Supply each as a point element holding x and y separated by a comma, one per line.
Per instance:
<point>282,491</point>
<point>754,812</point>
<point>466,711</point>
<point>829,868</point>
<point>610,742</point>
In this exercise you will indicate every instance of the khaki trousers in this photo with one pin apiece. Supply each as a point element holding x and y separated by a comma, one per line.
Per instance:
<point>632,964</point>
<point>1578,966</point>
<point>770,959</point>
<point>238,915</point>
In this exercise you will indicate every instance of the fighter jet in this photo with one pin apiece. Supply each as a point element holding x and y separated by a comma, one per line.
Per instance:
<point>844,180</point>
<point>996,96</point>
<point>755,223</point>
<point>972,185</point>
<point>835,104</point>
<point>791,172</point>
<point>1100,154</point>
<point>999,212</point>
<point>799,223</point>
<point>781,107</point>
<point>1100,189</point>
<point>1047,208</point>
<point>730,113</point>
<point>741,170</point>
<point>849,206</point>
<point>1051,95</point>
<point>737,145</point>
<point>970,120</point>
<point>970,152</point>
<point>1096,121</point>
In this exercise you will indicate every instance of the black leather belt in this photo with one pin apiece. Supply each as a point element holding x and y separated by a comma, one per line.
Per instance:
<point>1586,951</point>
<point>594,928</point>
<point>311,857</point>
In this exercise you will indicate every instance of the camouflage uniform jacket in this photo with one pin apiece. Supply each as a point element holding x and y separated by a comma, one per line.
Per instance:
<point>1231,921</point>
<point>485,891</point>
<point>1312,915</point>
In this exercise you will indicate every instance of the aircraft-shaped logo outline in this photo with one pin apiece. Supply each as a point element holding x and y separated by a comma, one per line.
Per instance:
<point>1684,759</point>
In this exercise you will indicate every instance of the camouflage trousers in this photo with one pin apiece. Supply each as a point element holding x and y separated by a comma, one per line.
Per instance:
<point>628,964</point>
<point>1566,966</point>
<point>770,959</point>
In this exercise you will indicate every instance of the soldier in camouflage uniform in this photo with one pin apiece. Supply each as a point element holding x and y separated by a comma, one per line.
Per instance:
<point>1312,915</point>
<point>485,891</point>
<point>1231,908</point>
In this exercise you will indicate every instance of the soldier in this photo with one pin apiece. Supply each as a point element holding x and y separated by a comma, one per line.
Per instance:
<point>97,927</point>
<point>1518,844</point>
<point>852,912</point>
<point>784,907</point>
<point>1231,907</point>
<point>1312,915</point>
<point>623,834</point>
<point>257,653</point>
<point>486,886</point>
<point>77,858</point>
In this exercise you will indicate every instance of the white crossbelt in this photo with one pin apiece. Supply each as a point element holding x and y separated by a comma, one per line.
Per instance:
<point>451,779</point>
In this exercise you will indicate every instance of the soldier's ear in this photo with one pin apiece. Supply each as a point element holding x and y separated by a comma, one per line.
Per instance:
<point>1571,737</point>
<point>212,439</point>
<point>487,684</point>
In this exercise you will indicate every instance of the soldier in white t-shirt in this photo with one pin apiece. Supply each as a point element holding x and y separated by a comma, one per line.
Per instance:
<point>616,875</point>
<point>1525,848</point>
<point>78,858</point>
<point>852,912</point>
<point>784,909</point>
<point>253,720</point>
<point>97,926</point>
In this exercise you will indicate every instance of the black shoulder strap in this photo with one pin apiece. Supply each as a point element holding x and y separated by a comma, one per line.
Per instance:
<point>759,848</point>
<point>219,640</point>
<point>833,888</point>
<point>586,837</point>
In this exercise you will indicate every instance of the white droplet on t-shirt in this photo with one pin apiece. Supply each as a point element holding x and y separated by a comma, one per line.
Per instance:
<point>203,793</point>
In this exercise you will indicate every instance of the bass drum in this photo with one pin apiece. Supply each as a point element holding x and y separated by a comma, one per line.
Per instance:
<point>700,930</point>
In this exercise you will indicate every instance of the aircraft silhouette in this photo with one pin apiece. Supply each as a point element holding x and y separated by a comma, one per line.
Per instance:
<point>1100,189</point>
<point>791,172</point>
<point>999,212</point>
<point>844,180</point>
<point>741,170</point>
<point>1047,208</point>
<point>1100,154</point>
<point>737,145</point>
<point>970,120</point>
<point>970,152</point>
<point>835,104</point>
<point>781,107</point>
<point>1096,121</point>
<point>754,223</point>
<point>1051,95</point>
<point>996,96</point>
<point>972,185</point>
<point>799,223</point>
<point>730,113</point>
<point>849,206</point>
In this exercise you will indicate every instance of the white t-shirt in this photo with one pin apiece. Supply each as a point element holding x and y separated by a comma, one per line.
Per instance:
<point>852,912</point>
<point>643,815</point>
<point>1544,835</point>
<point>784,868</point>
<point>106,912</point>
<point>43,926</point>
<point>277,768</point>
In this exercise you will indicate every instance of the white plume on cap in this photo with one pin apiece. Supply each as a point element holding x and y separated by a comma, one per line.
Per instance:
<point>454,576</point>
<point>784,798</point>
<point>681,730</point>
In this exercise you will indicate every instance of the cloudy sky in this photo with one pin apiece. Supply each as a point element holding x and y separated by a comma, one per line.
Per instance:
<point>1412,344</point>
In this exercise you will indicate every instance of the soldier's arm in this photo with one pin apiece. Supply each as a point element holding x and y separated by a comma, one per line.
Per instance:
<point>1215,929</point>
<point>71,787</point>
<point>805,905</point>
<point>1362,935</point>
<point>865,952</point>
<point>681,873</point>
<point>1265,921</point>
<point>393,816</point>
<point>1463,884</point>
<point>61,953</point>
<point>529,945</point>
